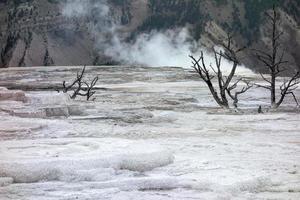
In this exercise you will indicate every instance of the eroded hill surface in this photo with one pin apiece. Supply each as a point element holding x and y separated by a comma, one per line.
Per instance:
<point>35,33</point>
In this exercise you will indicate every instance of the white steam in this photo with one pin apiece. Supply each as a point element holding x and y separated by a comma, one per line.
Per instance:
<point>78,8</point>
<point>157,48</point>
<point>169,48</point>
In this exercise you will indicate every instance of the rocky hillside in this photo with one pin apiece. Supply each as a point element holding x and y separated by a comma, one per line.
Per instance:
<point>35,32</point>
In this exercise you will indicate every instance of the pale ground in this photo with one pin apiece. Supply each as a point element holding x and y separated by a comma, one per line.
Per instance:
<point>152,133</point>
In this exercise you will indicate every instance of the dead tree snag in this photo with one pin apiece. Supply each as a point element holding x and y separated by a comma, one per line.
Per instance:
<point>274,61</point>
<point>80,87</point>
<point>224,88</point>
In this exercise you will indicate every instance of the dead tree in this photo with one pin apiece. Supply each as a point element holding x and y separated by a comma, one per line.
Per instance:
<point>234,97</point>
<point>225,88</point>
<point>78,81</point>
<point>274,61</point>
<point>88,91</point>
<point>80,87</point>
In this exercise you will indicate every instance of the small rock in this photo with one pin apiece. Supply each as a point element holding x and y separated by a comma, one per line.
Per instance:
<point>259,110</point>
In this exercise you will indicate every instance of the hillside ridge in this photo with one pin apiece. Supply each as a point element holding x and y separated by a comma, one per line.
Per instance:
<point>36,33</point>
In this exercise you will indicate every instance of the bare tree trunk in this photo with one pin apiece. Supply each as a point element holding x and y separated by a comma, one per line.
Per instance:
<point>274,63</point>
<point>273,89</point>
<point>223,81</point>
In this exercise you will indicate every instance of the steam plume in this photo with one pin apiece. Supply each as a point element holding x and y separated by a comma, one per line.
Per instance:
<point>156,48</point>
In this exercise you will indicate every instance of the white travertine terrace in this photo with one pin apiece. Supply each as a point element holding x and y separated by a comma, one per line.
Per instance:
<point>151,133</point>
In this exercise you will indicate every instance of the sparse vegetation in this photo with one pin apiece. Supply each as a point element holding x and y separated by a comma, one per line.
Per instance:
<point>220,2</point>
<point>254,10</point>
<point>48,61</point>
<point>170,13</point>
